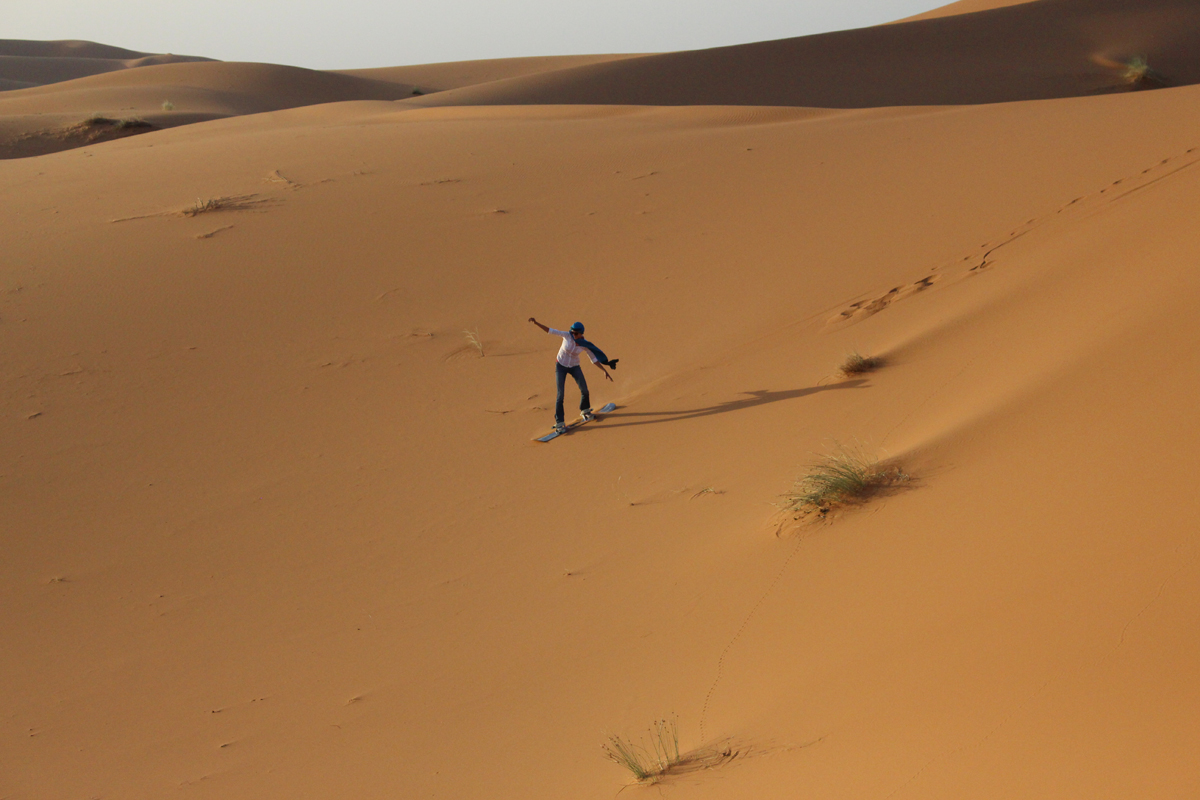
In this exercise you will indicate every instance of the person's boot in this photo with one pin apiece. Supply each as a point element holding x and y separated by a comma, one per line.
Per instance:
<point>586,415</point>
<point>560,427</point>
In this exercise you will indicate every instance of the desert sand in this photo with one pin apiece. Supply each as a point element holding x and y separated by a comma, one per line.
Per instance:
<point>273,528</point>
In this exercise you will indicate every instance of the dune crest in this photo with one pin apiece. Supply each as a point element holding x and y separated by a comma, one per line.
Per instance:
<point>964,7</point>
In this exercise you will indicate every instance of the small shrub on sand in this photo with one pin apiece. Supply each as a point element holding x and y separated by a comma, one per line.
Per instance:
<point>1138,74</point>
<point>474,340</point>
<point>234,203</point>
<point>168,105</point>
<point>648,763</point>
<point>846,477</point>
<point>99,128</point>
<point>858,364</point>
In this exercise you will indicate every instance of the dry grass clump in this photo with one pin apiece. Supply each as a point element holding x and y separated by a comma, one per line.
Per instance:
<point>844,478</point>
<point>648,763</point>
<point>124,124</point>
<point>229,203</point>
<point>1139,75</point>
<point>858,364</point>
<point>474,341</point>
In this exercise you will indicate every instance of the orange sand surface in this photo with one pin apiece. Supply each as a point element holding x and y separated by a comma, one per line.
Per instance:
<point>273,528</point>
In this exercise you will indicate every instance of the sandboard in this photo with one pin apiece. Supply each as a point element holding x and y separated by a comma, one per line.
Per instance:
<point>577,423</point>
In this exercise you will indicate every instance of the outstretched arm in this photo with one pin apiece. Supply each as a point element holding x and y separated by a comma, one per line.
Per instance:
<point>601,368</point>
<point>540,325</point>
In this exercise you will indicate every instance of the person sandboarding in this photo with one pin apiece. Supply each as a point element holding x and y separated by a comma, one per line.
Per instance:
<point>568,364</point>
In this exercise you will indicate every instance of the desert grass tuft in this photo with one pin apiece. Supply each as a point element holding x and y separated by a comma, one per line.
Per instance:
<point>125,123</point>
<point>229,203</point>
<point>847,477</point>
<point>1138,74</point>
<point>648,763</point>
<point>858,364</point>
<point>474,341</point>
<point>167,105</point>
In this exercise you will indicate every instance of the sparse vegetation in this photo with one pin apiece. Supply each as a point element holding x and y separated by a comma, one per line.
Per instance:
<point>127,123</point>
<point>1139,75</point>
<point>474,341</point>
<point>858,364</point>
<point>230,203</point>
<point>648,763</point>
<point>846,477</point>
<point>168,105</point>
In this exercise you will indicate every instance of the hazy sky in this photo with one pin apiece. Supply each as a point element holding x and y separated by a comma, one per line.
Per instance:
<point>375,33</point>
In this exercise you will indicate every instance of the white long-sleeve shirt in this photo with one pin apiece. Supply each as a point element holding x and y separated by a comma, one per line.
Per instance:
<point>568,354</point>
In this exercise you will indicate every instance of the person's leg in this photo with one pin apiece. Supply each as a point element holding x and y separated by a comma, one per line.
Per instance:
<point>585,403</point>
<point>560,378</point>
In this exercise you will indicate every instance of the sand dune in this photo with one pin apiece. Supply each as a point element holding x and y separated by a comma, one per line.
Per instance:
<point>26,71</point>
<point>274,528</point>
<point>457,74</point>
<point>1036,50</point>
<point>66,48</point>
<point>38,120</point>
<point>28,63</point>
<point>277,529</point>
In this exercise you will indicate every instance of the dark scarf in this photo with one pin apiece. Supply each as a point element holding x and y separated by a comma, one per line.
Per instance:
<point>597,352</point>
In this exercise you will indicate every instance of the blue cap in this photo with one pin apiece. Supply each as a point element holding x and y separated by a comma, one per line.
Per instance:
<point>577,327</point>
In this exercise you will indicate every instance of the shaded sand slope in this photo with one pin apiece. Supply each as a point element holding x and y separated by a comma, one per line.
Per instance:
<point>66,48</point>
<point>274,530</point>
<point>456,74</point>
<point>34,121</point>
<point>212,86</point>
<point>34,63</point>
<point>1043,49</point>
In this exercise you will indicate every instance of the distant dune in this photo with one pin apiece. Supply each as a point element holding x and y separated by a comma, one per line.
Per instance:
<point>25,63</point>
<point>33,121</point>
<point>66,48</point>
<point>1031,51</point>
<point>457,74</point>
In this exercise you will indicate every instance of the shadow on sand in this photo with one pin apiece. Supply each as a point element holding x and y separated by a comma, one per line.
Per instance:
<point>759,397</point>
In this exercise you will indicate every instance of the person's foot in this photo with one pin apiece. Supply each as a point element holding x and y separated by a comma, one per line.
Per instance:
<point>586,415</point>
<point>560,427</point>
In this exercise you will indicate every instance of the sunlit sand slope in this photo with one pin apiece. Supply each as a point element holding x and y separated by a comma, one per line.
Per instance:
<point>275,529</point>
<point>1043,49</point>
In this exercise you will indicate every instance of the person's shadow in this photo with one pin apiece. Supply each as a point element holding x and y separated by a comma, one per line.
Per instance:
<point>757,398</point>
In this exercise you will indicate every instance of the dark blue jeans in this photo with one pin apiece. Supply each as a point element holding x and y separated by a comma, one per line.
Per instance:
<point>560,374</point>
